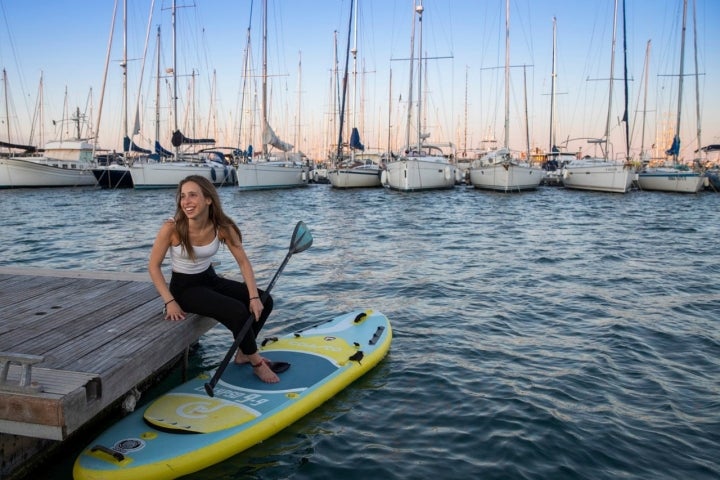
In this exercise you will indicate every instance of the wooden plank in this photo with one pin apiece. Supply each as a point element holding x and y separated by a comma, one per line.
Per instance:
<point>61,403</point>
<point>100,334</point>
<point>57,383</point>
<point>68,324</point>
<point>30,430</point>
<point>92,348</point>
<point>12,286</point>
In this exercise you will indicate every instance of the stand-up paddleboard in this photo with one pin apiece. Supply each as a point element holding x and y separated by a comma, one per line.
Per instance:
<point>186,430</point>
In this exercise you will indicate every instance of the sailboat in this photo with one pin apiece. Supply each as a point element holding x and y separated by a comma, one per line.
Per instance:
<point>500,170</point>
<point>422,166</point>
<point>602,173</point>
<point>60,163</point>
<point>352,171</point>
<point>676,178</point>
<point>270,171</point>
<point>555,159</point>
<point>153,173</point>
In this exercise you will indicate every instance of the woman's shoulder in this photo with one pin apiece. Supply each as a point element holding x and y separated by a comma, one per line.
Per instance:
<point>227,234</point>
<point>167,229</point>
<point>168,224</point>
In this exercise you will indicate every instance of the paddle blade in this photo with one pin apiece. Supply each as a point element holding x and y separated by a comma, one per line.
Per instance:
<point>301,238</point>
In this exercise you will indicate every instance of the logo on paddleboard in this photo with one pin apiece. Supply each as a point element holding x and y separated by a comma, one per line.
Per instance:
<point>129,445</point>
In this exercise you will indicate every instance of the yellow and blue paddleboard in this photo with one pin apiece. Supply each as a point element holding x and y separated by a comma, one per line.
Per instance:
<point>185,430</point>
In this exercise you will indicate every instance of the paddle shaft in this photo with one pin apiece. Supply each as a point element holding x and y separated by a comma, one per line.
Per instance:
<point>209,386</point>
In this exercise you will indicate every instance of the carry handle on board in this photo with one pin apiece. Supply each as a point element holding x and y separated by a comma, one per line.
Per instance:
<point>300,241</point>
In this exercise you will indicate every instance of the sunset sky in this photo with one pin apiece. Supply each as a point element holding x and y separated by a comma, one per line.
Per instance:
<point>463,81</point>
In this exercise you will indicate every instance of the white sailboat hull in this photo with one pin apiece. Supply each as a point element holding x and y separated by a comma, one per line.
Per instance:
<point>598,175</point>
<point>409,174</point>
<point>670,180</point>
<point>147,175</point>
<point>271,175</point>
<point>509,177</point>
<point>358,177</point>
<point>25,172</point>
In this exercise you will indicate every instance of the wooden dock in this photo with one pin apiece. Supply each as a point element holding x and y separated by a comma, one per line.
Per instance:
<point>72,343</point>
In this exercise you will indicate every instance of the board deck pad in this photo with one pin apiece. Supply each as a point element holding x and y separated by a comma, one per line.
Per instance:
<point>185,430</point>
<point>196,412</point>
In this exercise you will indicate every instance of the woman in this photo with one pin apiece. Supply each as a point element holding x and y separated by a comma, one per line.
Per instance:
<point>193,237</point>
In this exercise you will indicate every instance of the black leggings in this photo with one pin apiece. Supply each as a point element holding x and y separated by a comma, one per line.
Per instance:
<point>225,300</point>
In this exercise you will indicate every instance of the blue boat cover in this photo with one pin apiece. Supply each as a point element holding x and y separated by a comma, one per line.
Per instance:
<point>130,146</point>
<point>355,140</point>
<point>161,151</point>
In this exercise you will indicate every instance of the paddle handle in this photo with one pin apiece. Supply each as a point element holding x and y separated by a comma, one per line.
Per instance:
<point>209,386</point>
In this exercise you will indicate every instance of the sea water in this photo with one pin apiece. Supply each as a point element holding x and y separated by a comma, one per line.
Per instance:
<point>553,334</point>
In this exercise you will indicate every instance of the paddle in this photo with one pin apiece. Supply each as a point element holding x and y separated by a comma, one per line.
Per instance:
<point>301,241</point>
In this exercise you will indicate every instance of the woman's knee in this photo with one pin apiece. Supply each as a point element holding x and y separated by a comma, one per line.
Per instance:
<point>267,307</point>
<point>269,303</point>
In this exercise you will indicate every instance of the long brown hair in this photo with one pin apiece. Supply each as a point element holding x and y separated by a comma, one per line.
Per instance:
<point>216,214</point>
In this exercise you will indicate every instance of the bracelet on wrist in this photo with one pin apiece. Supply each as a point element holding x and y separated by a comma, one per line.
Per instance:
<point>169,302</point>
<point>253,298</point>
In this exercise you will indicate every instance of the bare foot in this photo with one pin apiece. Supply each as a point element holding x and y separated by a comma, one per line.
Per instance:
<point>263,372</point>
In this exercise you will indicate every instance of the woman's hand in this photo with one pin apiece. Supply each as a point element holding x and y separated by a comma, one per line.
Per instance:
<point>256,307</point>
<point>174,312</point>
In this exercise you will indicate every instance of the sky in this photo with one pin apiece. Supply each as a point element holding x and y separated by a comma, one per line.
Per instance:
<point>68,45</point>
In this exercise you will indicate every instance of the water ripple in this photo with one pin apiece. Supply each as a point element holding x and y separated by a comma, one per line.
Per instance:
<point>555,334</point>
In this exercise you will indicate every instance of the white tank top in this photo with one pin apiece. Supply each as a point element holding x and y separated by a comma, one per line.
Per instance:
<point>182,263</point>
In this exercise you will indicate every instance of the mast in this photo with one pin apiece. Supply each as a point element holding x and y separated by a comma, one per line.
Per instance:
<point>389,147</point>
<point>299,102</point>
<point>410,88</point>
<point>419,9</point>
<point>212,122</point>
<point>126,144</point>
<point>507,74</point>
<point>553,76</point>
<point>175,97</point>
<point>157,97</point>
<point>344,88</point>
<point>647,71</point>
<point>246,70</point>
<point>136,122</point>
<point>625,82</point>
<point>41,105</point>
<point>332,89</point>
<point>527,118</point>
<point>7,109</point>
<point>612,73</point>
<point>354,54</point>
<point>264,77</point>
<point>104,82</point>
<point>676,141</point>
<point>697,81</point>
<point>465,134</point>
